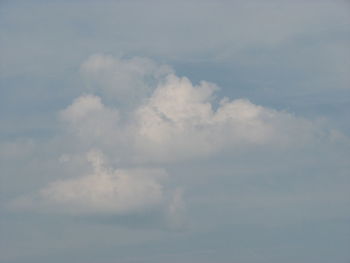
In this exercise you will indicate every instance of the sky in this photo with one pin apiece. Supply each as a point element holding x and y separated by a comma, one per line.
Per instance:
<point>174,131</point>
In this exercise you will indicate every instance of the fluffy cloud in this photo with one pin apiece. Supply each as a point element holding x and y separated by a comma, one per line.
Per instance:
<point>92,122</point>
<point>180,119</point>
<point>177,120</point>
<point>105,190</point>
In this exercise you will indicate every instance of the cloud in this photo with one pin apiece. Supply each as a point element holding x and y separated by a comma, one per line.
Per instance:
<point>127,81</point>
<point>178,119</point>
<point>258,184</point>
<point>92,122</point>
<point>104,190</point>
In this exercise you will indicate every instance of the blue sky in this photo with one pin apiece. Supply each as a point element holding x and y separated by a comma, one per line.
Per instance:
<point>174,131</point>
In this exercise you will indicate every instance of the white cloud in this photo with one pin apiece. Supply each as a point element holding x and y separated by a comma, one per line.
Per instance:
<point>82,107</point>
<point>92,122</point>
<point>178,120</point>
<point>105,190</point>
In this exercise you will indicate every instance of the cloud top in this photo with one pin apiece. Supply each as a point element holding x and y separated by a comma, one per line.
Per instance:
<point>126,81</point>
<point>177,119</point>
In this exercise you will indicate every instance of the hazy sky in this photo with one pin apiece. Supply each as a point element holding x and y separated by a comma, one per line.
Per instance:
<point>174,131</point>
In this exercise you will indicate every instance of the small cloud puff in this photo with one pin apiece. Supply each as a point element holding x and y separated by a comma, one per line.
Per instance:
<point>103,191</point>
<point>126,81</point>
<point>94,123</point>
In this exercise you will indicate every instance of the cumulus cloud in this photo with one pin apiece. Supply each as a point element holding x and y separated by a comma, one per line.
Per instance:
<point>104,190</point>
<point>180,119</point>
<point>177,120</point>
